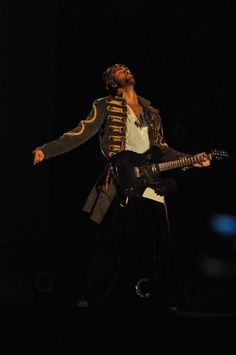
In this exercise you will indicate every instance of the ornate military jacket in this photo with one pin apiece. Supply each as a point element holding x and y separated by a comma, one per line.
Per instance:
<point>108,118</point>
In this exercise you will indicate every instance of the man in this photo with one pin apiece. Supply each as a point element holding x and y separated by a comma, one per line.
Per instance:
<point>134,226</point>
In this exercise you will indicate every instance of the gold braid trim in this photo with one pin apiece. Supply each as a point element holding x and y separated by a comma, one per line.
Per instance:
<point>116,102</point>
<point>116,109</point>
<point>83,124</point>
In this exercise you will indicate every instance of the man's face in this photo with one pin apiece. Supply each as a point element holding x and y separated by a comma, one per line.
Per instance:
<point>123,77</point>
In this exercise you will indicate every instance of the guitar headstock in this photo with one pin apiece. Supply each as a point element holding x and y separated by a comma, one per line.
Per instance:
<point>219,154</point>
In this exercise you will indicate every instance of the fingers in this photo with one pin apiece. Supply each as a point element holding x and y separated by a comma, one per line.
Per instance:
<point>206,161</point>
<point>203,163</point>
<point>38,156</point>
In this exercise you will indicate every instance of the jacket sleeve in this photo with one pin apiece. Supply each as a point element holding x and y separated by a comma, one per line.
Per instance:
<point>85,130</point>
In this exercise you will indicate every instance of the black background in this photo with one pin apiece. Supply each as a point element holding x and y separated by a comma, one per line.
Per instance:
<point>52,58</point>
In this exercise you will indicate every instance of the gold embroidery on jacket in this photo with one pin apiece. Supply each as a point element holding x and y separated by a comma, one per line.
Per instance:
<point>119,119</point>
<point>83,124</point>
<point>116,102</point>
<point>116,139</point>
<point>116,109</point>
<point>117,129</point>
<point>114,148</point>
<point>110,154</point>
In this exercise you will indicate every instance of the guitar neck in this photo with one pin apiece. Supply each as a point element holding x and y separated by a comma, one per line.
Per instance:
<point>183,162</point>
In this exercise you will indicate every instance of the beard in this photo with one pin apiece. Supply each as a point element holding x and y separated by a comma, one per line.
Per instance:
<point>127,81</point>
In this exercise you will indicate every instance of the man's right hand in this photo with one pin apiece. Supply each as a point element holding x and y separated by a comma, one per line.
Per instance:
<point>38,156</point>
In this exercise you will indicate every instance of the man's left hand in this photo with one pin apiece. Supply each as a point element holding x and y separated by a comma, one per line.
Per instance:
<point>204,163</point>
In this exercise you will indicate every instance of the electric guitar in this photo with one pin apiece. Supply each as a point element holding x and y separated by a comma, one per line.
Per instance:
<point>134,172</point>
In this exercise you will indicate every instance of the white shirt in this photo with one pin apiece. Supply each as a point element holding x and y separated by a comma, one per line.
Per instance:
<point>137,140</point>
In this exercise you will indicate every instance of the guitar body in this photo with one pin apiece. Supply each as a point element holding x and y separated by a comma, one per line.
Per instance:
<point>135,171</point>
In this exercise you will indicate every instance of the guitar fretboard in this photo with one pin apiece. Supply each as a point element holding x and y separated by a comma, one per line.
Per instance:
<point>183,162</point>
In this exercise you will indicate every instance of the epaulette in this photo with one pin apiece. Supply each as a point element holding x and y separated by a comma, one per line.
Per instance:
<point>154,110</point>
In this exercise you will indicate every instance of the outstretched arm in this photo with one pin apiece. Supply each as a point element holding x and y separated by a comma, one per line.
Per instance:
<point>85,130</point>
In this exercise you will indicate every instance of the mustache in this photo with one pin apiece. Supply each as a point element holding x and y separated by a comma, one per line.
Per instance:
<point>126,80</point>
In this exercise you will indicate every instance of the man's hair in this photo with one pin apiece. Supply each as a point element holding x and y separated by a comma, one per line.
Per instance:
<point>108,77</point>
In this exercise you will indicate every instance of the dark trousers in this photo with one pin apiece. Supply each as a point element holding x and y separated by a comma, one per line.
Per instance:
<point>132,243</point>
